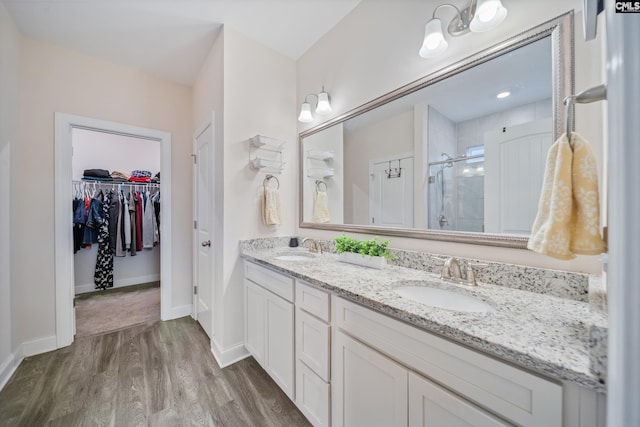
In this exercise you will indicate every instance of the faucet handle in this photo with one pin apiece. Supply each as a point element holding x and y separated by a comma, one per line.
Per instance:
<point>471,275</point>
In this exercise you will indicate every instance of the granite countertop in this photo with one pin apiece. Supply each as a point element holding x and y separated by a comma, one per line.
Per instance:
<point>543,333</point>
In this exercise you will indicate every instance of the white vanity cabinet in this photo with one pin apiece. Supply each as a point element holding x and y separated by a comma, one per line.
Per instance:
<point>388,373</point>
<point>269,324</point>
<point>313,351</point>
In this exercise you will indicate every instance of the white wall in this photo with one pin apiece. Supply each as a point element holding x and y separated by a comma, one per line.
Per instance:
<point>54,79</point>
<point>9,103</point>
<point>390,137</point>
<point>101,150</point>
<point>357,65</point>
<point>329,139</point>
<point>251,88</point>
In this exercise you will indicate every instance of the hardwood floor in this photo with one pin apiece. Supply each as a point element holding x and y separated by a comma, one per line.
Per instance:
<point>153,374</point>
<point>112,309</point>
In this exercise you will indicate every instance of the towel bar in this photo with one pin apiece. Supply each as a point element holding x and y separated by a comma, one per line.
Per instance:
<point>594,94</point>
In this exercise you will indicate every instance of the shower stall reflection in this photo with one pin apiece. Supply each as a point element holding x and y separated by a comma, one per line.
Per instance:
<point>456,193</point>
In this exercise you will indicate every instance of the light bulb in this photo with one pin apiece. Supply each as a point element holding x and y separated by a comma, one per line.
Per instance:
<point>305,113</point>
<point>324,107</point>
<point>488,15</point>
<point>434,43</point>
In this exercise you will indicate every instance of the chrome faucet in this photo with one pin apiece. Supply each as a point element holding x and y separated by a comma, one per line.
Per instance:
<point>314,245</point>
<point>452,273</point>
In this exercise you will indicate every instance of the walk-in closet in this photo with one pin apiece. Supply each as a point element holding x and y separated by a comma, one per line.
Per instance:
<point>116,186</point>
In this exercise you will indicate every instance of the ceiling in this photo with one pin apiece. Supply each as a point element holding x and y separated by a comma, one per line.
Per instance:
<point>171,38</point>
<point>524,72</point>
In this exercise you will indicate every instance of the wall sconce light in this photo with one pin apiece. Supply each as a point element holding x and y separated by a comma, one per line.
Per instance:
<point>479,16</point>
<point>322,107</point>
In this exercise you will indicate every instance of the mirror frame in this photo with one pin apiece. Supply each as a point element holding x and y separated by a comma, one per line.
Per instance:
<point>561,31</point>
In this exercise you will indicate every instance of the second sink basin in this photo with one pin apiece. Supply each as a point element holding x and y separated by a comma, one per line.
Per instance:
<point>295,256</point>
<point>443,299</point>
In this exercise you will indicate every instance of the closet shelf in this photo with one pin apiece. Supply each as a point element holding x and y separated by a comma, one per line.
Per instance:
<point>321,154</point>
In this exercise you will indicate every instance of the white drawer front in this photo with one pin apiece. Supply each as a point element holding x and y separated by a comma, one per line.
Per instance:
<point>515,394</point>
<point>312,343</point>
<point>312,396</point>
<point>277,283</point>
<point>313,300</point>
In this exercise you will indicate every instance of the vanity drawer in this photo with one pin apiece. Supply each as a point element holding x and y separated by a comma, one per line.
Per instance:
<point>517,395</point>
<point>312,343</point>
<point>312,395</point>
<point>277,283</point>
<point>313,300</point>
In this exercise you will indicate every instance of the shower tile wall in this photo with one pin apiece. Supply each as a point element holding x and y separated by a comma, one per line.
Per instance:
<point>464,201</point>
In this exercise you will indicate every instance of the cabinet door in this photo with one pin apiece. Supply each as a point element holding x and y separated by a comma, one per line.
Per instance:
<point>432,406</point>
<point>254,328</point>
<point>368,388</point>
<point>279,361</point>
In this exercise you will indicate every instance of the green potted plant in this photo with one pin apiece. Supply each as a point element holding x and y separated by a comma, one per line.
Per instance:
<point>369,253</point>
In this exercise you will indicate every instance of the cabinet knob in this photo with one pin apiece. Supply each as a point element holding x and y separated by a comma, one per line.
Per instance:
<point>206,243</point>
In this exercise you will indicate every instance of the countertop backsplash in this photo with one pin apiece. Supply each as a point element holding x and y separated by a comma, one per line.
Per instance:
<point>558,283</point>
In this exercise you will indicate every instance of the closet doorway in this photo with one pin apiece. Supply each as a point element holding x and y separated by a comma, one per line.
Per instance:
<point>117,282</point>
<point>66,126</point>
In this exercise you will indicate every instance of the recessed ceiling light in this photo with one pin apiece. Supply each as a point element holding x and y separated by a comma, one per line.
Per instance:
<point>503,94</point>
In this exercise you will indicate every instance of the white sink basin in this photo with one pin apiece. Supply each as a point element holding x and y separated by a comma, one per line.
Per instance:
<point>295,256</point>
<point>443,299</point>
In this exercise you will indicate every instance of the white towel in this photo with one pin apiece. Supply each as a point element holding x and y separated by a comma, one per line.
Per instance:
<point>321,208</point>
<point>568,219</point>
<point>271,207</point>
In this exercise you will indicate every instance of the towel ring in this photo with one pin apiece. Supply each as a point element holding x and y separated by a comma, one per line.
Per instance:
<point>319,183</point>
<point>268,178</point>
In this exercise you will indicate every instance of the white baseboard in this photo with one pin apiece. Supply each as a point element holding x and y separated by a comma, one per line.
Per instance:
<point>229,356</point>
<point>41,345</point>
<point>9,366</point>
<point>181,311</point>
<point>90,287</point>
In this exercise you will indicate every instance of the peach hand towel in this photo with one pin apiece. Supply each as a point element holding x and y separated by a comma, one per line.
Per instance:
<point>321,208</point>
<point>271,207</point>
<point>568,219</point>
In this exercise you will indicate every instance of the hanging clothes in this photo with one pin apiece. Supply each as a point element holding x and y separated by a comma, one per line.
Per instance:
<point>103,276</point>
<point>138,221</point>
<point>113,220</point>
<point>132,222</point>
<point>127,223</point>
<point>79,219</point>
<point>148,223</point>
<point>95,219</point>
<point>120,248</point>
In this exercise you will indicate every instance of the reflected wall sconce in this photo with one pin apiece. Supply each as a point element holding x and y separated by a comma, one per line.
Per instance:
<point>323,106</point>
<point>479,16</point>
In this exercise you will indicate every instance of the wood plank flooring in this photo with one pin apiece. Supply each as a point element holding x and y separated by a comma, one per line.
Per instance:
<point>152,374</point>
<point>112,309</point>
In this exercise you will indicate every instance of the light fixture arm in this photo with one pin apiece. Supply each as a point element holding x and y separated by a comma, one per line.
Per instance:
<point>445,5</point>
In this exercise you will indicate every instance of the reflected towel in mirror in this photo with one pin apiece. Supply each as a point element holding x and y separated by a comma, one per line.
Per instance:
<point>568,219</point>
<point>271,206</point>
<point>321,213</point>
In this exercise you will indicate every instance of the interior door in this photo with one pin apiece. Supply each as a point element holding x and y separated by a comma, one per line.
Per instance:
<point>203,227</point>
<point>514,170</point>
<point>391,198</point>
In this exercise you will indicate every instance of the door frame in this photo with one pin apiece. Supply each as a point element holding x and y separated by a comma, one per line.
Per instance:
<point>63,242</point>
<point>209,124</point>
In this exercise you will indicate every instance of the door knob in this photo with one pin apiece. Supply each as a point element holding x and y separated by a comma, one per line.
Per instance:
<point>206,243</point>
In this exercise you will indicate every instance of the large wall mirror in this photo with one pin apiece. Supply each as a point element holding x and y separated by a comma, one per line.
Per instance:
<point>457,155</point>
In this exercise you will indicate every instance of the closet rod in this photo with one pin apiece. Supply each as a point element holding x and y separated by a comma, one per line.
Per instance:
<point>117,183</point>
